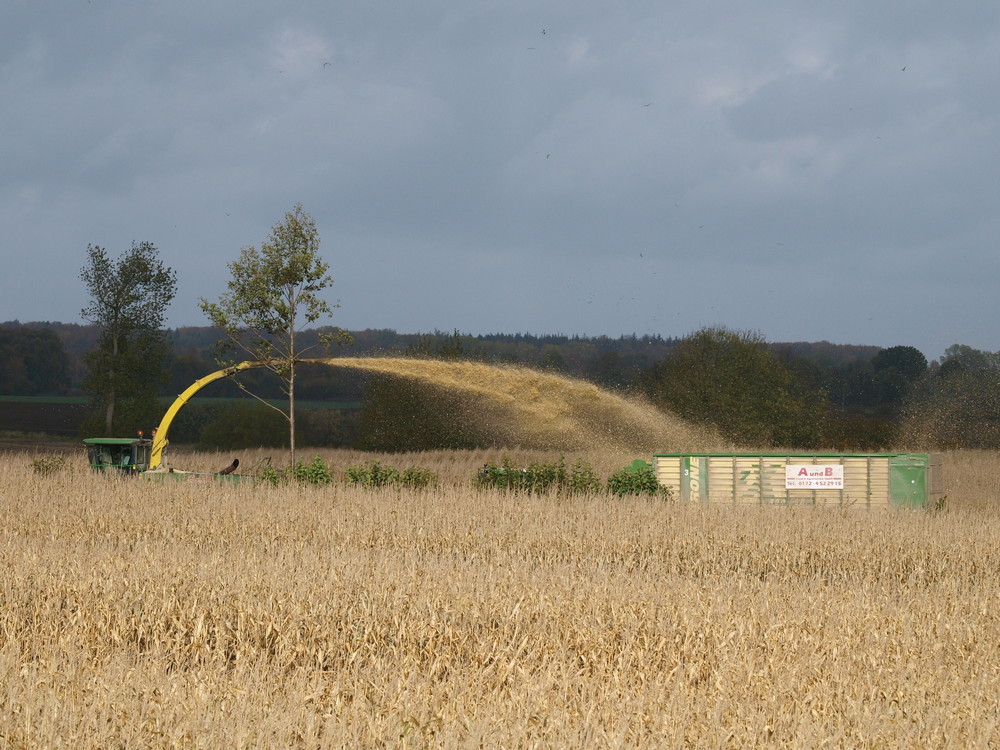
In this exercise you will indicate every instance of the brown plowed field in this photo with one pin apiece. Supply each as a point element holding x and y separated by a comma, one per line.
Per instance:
<point>58,419</point>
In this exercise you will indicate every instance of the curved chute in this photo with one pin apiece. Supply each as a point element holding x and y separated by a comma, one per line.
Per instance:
<point>160,436</point>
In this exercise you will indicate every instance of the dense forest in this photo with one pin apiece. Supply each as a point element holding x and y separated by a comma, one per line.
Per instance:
<point>798,394</point>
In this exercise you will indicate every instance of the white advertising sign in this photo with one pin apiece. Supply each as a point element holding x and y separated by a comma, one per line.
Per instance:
<point>814,477</point>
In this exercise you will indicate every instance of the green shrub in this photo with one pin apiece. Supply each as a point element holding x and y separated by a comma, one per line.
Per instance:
<point>583,478</point>
<point>418,477</point>
<point>375,474</point>
<point>372,475</point>
<point>315,472</point>
<point>540,477</point>
<point>270,475</point>
<point>505,476</point>
<point>636,480</point>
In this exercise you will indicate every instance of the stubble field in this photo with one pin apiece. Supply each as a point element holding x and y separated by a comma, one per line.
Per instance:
<point>143,615</point>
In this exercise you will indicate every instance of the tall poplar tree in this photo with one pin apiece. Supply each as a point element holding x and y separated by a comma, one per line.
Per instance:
<point>128,301</point>
<point>273,294</point>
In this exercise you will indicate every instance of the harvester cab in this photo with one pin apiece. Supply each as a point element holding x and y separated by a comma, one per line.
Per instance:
<point>121,455</point>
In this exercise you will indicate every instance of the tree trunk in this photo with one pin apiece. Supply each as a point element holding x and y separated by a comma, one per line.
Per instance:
<point>291,375</point>
<point>109,412</point>
<point>291,412</point>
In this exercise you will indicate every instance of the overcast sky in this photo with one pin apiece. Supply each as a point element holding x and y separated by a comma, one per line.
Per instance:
<point>810,171</point>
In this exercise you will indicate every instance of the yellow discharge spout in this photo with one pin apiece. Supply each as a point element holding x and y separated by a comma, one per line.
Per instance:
<point>160,437</point>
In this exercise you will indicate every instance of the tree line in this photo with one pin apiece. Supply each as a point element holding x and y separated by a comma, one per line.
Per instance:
<point>808,395</point>
<point>757,394</point>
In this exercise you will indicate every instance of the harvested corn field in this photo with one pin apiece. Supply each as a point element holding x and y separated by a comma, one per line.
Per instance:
<point>142,615</point>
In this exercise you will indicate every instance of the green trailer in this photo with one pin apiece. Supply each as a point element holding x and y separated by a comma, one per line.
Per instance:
<point>849,479</point>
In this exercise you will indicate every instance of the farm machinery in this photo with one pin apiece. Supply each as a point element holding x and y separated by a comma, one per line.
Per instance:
<point>144,455</point>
